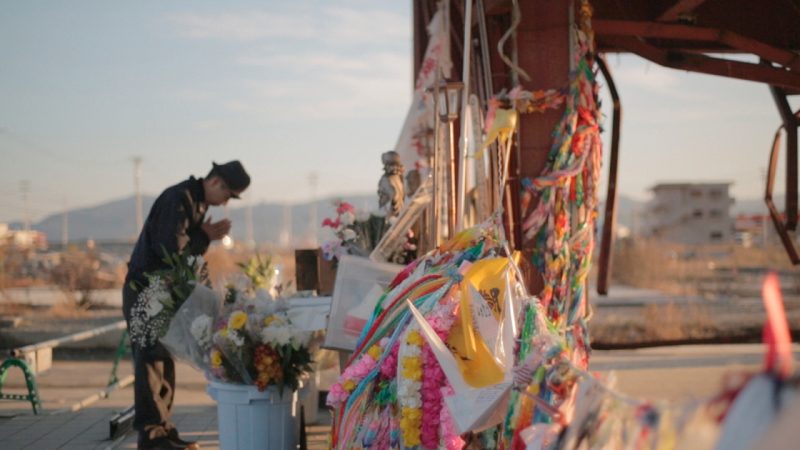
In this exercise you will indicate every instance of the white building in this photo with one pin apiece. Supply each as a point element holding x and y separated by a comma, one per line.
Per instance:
<point>690,213</point>
<point>22,239</point>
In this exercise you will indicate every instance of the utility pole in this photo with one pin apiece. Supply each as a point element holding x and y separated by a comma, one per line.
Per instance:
<point>312,225</point>
<point>137,174</point>
<point>25,187</point>
<point>65,226</point>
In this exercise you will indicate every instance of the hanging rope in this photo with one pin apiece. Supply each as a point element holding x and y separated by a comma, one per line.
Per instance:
<point>516,17</point>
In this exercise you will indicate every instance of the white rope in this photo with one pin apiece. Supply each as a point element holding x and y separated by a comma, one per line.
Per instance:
<point>515,69</point>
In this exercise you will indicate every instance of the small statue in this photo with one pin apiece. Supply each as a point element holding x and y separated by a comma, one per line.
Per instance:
<point>390,187</point>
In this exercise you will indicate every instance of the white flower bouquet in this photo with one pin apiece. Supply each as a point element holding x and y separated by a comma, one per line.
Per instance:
<point>163,296</point>
<point>247,338</point>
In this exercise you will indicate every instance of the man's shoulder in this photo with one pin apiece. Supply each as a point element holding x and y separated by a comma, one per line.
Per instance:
<point>176,191</point>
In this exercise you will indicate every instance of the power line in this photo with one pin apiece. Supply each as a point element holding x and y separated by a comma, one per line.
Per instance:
<point>30,146</point>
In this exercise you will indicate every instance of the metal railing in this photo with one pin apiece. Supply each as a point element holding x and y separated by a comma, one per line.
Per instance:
<point>37,358</point>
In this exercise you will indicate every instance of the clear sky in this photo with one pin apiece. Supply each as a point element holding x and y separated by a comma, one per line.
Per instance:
<point>291,88</point>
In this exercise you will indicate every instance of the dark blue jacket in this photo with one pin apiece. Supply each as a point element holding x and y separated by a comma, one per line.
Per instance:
<point>174,224</point>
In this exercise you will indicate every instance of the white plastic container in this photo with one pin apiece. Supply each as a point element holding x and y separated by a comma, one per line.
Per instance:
<point>308,397</point>
<point>253,420</point>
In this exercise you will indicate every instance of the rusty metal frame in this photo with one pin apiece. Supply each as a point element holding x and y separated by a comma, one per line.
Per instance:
<point>786,58</point>
<point>681,7</point>
<point>790,124</point>
<point>706,64</point>
<point>788,244</point>
<point>610,218</point>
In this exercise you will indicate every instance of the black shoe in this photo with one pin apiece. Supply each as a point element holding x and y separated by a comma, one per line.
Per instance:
<point>173,436</point>
<point>160,443</point>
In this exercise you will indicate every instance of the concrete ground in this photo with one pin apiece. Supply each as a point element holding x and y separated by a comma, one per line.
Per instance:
<point>660,373</point>
<point>673,373</point>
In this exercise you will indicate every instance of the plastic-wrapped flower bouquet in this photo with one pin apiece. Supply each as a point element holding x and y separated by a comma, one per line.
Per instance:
<point>252,341</point>
<point>244,338</point>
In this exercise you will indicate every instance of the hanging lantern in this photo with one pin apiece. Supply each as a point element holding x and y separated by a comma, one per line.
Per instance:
<point>449,99</point>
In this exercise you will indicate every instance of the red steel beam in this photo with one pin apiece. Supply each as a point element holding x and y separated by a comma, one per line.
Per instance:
<point>706,64</point>
<point>690,33</point>
<point>786,239</point>
<point>683,6</point>
<point>543,40</point>
<point>610,218</point>
<point>790,124</point>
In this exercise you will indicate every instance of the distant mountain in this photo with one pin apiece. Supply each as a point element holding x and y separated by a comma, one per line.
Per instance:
<point>116,220</point>
<point>111,221</point>
<point>274,222</point>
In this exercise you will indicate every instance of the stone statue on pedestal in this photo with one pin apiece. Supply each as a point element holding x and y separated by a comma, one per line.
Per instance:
<point>390,187</point>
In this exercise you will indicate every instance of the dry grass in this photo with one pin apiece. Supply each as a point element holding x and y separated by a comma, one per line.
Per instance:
<point>11,309</point>
<point>672,323</point>
<point>68,309</point>
<point>687,270</point>
<point>711,276</point>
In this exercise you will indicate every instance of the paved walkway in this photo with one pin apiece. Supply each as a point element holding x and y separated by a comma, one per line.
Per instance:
<point>69,382</point>
<point>89,429</point>
<point>661,373</point>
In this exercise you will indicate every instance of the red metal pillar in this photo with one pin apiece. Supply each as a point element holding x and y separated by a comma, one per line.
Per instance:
<point>543,49</point>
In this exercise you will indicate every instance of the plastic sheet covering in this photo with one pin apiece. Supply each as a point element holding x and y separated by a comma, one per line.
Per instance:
<point>753,411</point>
<point>202,305</point>
<point>309,313</point>
<point>358,280</point>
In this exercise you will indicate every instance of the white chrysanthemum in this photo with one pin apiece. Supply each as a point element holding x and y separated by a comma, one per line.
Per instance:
<point>162,296</point>
<point>236,338</point>
<point>201,330</point>
<point>276,335</point>
<point>348,234</point>
<point>154,306</point>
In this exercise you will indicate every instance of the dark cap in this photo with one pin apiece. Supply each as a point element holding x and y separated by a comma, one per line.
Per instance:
<point>234,175</point>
